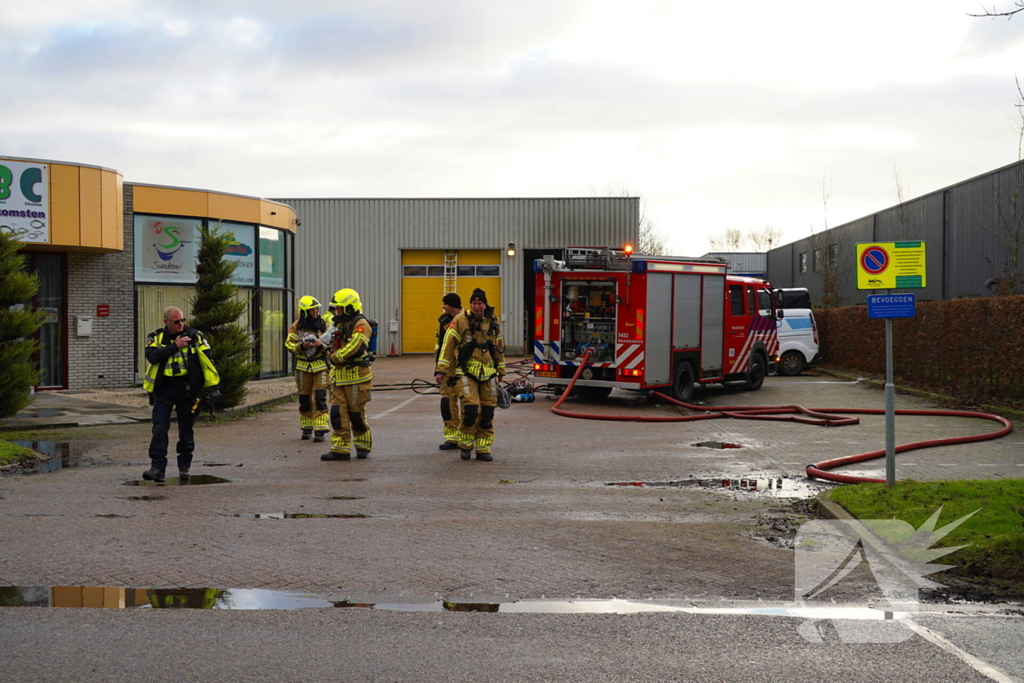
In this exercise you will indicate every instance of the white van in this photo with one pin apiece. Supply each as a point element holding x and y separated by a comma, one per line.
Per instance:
<point>798,333</point>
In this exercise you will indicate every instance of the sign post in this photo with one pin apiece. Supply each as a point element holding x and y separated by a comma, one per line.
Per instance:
<point>891,265</point>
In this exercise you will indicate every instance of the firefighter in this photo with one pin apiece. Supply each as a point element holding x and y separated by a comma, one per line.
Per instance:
<point>350,377</point>
<point>474,353</point>
<point>451,413</point>
<point>310,368</point>
<point>179,369</point>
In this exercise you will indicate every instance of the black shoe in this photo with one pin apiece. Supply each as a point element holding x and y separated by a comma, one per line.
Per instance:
<point>465,453</point>
<point>448,446</point>
<point>153,474</point>
<point>486,457</point>
<point>184,474</point>
<point>319,437</point>
<point>336,456</point>
<point>361,454</point>
<point>306,433</point>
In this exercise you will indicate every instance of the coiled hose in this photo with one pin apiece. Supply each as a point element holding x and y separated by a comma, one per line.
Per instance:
<point>822,417</point>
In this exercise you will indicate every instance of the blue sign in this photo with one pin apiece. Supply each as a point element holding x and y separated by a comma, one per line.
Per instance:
<point>891,305</point>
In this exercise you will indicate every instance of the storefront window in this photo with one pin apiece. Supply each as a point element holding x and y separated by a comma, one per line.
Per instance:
<point>272,257</point>
<point>165,249</point>
<point>273,328</point>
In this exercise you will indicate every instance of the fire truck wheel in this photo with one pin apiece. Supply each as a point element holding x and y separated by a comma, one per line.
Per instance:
<point>756,373</point>
<point>792,363</point>
<point>682,386</point>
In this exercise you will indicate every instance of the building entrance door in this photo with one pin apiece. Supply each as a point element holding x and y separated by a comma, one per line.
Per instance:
<point>51,356</point>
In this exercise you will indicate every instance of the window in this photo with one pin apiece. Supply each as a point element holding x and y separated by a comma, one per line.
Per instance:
<point>833,255</point>
<point>752,298</point>
<point>273,328</point>
<point>435,271</point>
<point>414,271</point>
<point>817,260</point>
<point>803,263</point>
<point>736,299</point>
<point>764,302</point>
<point>488,271</point>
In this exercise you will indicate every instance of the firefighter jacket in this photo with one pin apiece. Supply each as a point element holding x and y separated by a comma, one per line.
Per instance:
<point>442,327</point>
<point>314,358</point>
<point>473,347</point>
<point>349,351</point>
<point>167,361</point>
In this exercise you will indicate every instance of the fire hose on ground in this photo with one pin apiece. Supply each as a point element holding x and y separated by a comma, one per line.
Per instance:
<point>827,417</point>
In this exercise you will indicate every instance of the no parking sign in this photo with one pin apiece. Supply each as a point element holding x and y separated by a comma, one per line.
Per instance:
<point>891,265</point>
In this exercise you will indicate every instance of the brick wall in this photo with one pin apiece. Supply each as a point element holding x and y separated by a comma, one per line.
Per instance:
<point>106,359</point>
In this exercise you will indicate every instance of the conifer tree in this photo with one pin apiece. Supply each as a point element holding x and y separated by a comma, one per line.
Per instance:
<point>215,312</point>
<point>18,374</point>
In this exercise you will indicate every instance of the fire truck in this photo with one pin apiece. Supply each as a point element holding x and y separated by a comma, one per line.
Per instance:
<point>650,322</point>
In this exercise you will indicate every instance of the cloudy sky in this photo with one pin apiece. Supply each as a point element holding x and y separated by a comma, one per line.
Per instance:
<point>718,115</point>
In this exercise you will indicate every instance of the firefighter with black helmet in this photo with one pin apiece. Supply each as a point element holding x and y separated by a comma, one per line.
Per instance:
<point>474,353</point>
<point>451,413</point>
<point>350,376</point>
<point>304,343</point>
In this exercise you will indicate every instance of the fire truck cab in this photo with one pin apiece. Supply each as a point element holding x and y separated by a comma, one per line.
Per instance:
<point>650,322</point>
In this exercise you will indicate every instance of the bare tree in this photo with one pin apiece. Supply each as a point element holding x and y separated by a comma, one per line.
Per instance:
<point>731,239</point>
<point>764,239</point>
<point>651,241</point>
<point>831,253</point>
<point>907,226</point>
<point>993,13</point>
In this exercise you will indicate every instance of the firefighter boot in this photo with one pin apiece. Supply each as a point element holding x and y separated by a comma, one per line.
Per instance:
<point>153,474</point>
<point>486,457</point>
<point>184,474</point>
<point>465,453</point>
<point>361,454</point>
<point>336,456</point>
<point>306,433</point>
<point>319,437</point>
<point>448,446</point>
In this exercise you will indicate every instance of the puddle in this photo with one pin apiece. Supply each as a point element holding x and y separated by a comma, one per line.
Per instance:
<point>216,464</point>
<point>341,497</point>
<point>261,599</point>
<point>297,515</point>
<point>154,497</point>
<point>776,487</point>
<point>56,455</point>
<point>196,480</point>
<point>716,444</point>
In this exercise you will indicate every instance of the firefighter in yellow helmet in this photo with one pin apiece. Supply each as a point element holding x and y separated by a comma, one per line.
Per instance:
<point>310,353</point>
<point>451,411</point>
<point>474,353</point>
<point>350,376</point>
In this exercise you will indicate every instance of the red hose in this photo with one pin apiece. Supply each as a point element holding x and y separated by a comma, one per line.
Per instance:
<point>793,413</point>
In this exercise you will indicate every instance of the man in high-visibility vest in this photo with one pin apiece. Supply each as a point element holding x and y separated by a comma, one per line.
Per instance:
<point>179,369</point>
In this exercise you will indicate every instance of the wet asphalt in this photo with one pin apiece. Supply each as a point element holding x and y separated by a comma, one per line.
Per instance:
<point>557,515</point>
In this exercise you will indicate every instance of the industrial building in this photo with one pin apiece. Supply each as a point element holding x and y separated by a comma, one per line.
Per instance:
<point>973,233</point>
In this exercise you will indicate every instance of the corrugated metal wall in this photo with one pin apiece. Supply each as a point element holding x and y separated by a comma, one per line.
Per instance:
<point>358,243</point>
<point>958,225</point>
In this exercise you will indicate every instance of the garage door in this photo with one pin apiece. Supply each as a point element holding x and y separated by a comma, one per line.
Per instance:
<point>428,274</point>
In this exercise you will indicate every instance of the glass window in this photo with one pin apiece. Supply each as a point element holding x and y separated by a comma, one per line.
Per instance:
<point>435,271</point>
<point>272,257</point>
<point>833,255</point>
<point>166,248</point>
<point>488,271</point>
<point>49,300</point>
<point>817,260</point>
<point>273,329</point>
<point>803,262</point>
<point>736,299</point>
<point>465,271</point>
<point>414,271</point>
<point>764,302</point>
<point>752,300</point>
<point>241,249</point>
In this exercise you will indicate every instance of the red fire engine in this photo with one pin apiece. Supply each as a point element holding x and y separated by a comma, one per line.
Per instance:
<point>650,322</point>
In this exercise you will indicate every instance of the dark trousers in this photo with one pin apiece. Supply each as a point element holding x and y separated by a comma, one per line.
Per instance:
<point>177,397</point>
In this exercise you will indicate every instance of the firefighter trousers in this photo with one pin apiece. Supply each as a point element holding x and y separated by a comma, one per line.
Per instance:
<point>312,388</point>
<point>479,400</point>
<point>451,411</point>
<point>348,417</point>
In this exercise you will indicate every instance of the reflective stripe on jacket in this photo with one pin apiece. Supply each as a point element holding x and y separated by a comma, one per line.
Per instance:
<point>166,360</point>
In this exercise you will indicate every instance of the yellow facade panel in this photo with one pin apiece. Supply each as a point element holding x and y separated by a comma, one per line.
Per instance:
<point>421,307</point>
<point>277,216</point>
<point>112,211</point>
<point>490,285</point>
<point>170,201</point>
<point>227,208</point>
<point>479,257</point>
<point>90,212</point>
<point>64,205</point>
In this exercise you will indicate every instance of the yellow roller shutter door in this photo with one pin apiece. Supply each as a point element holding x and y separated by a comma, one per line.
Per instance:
<point>423,286</point>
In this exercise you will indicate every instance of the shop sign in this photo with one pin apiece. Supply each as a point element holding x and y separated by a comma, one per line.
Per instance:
<point>24,201</point>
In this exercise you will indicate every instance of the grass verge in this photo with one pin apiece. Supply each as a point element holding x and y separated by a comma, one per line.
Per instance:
<point>992,561</point>
<point>11,454</point>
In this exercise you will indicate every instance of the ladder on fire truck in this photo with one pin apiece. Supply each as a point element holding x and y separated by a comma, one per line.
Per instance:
<point>451,262</point>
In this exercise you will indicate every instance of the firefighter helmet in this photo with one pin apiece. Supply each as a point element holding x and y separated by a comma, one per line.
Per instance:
<point>307,304</point>
<point>348,301</point>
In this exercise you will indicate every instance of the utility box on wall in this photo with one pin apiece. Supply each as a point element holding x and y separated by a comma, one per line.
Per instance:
<point>84,327</point>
